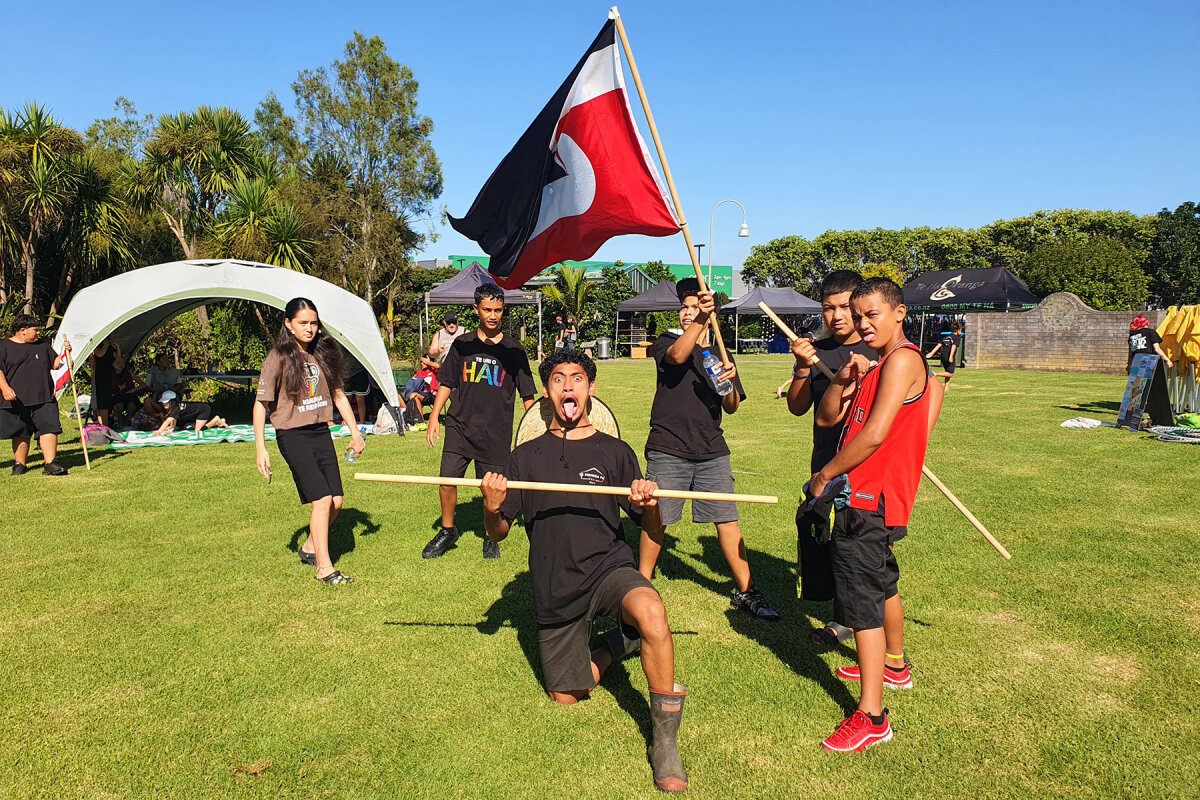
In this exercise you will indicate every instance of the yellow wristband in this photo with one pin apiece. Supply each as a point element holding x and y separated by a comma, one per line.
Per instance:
<point>899,657</point>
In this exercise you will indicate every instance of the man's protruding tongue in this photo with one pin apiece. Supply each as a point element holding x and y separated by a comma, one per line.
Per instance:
<point>570,408</point>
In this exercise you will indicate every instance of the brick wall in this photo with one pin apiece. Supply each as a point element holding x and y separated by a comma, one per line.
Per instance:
<point>1061,335</point>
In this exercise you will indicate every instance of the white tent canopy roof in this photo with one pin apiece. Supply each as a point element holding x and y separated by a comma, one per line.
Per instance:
<point>131,306</point>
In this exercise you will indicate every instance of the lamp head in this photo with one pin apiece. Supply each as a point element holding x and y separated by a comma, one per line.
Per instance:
<point>744,233</point>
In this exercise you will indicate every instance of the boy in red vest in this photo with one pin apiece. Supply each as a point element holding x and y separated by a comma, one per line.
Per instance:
<point>885,406</point>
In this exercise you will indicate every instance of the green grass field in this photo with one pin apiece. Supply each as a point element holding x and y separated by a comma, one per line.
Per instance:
<point>159,638</point>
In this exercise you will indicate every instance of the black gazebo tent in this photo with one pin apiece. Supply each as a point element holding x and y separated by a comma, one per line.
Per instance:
<point>460,290</point>
<point>782,300</point>
<point>659,297</point>
<point>954,290</point>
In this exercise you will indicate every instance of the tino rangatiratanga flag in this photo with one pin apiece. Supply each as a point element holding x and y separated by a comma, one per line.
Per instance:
<point>579,175</point>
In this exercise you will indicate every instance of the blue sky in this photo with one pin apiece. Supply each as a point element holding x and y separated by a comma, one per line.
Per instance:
<point>814,116</point>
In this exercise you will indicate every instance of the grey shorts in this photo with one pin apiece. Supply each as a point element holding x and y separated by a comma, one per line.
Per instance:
<point>565,649</point>
<point>679,474</point>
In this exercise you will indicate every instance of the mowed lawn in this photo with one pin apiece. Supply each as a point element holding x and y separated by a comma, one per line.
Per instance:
<point>159,638</point>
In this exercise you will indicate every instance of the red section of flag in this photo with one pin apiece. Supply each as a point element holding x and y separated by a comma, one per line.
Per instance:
<point>596,140</point>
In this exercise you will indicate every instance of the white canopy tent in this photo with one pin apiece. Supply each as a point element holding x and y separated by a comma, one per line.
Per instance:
<point>131,306</point>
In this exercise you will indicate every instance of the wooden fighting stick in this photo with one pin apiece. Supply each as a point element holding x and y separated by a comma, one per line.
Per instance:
<point>662,158</point>
<point>791,335</point>
<point>536,486</point>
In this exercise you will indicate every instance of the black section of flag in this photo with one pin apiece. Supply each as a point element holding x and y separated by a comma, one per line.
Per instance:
<point>506,211</point>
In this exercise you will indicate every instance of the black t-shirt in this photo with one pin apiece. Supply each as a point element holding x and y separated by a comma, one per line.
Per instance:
<point>948,341</point>
<point>26,367</point>
<point>575,540</point>
<point>188,413</point>
<point>833,355</point>
<point>1140,341</point>
<point>685,419</point>
<point>484,378</point>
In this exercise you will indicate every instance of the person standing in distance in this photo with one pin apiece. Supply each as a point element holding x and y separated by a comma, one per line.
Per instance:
<point>299,385</point>
<point>686,448</point>
<point>482,374</point>
<point>27,404</point>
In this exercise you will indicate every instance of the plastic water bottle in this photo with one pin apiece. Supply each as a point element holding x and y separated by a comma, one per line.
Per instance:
<point>351,456</point>
<point>712,365</point>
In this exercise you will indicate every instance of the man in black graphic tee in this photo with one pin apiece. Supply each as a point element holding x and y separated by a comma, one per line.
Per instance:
<point>27,404</point>
<point>579,563</point>
<point>481,374</point>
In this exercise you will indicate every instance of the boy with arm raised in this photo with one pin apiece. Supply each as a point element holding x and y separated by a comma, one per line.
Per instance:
<point>886,412</point>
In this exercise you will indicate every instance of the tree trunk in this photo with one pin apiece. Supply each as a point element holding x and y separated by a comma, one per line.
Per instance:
<point>64,284</point>
<point>28,261</point>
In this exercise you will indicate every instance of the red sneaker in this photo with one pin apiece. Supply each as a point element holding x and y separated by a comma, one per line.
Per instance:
<point>857,732</point>
<point>892,678</point>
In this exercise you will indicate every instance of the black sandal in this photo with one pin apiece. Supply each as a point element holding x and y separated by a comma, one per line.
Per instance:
<point>308,559</point>
<point>336,577</point>
<point>831,635</point>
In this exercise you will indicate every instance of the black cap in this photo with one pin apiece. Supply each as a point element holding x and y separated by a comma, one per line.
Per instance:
<point>686,288</point>
<point>449,317</point>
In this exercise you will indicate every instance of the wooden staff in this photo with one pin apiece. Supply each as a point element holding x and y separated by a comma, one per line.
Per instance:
<point>536,486</point>
<point>662,158</point>
<point>78,417</point>
<point>791,335</point>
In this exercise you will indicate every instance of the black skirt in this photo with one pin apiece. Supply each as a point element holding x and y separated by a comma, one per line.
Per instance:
<point>309,453</point>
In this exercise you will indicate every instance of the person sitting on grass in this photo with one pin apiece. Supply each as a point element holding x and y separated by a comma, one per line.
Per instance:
<point>127,390</point>
<point>176,412</point>
<point>27,404</point>
<point>579,563</point>
<point>886,411</point>
<point>162,376</point>
<point>419,391</point>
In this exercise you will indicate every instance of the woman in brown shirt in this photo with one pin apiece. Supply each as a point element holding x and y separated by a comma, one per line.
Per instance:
<point>299,385</point>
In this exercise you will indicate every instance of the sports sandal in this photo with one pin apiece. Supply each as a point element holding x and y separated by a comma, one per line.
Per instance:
<point>308,559</point>
<point>336,577</point>
<point>831,635</point>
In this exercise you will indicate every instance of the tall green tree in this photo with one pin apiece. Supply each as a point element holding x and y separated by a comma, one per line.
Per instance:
<point>1174,260</point>
<point>125,134</point>
<point>1102,272</point>
<point>787,261</point>
<point>60,214</point>
<point>570,290</point>
<point>361,113</point>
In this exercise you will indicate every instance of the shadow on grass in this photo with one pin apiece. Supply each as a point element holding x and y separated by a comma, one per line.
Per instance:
<point>1108,406</point>
<point>70,457</point>
<point>789,638</point>
<point>341,533</point>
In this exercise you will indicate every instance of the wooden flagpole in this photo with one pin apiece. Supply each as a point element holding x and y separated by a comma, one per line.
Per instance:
<point>662,158</point>
<point>791,335</point>
<point>78,417</point>
<point>537,486</point>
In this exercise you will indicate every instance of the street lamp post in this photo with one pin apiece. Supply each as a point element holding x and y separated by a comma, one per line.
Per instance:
<point>698,246</point>
<point>743,232</point>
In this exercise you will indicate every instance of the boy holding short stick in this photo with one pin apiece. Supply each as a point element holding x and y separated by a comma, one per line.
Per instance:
<point>885,409</point>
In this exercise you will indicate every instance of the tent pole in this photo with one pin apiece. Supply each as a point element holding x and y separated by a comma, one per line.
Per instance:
<point>922,341</point>
<point>737,318</point>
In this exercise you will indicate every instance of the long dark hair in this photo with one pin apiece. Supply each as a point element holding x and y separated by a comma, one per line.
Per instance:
<point>323,348</point>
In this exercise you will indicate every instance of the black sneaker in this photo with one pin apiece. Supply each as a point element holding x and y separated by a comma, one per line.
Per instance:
<point>754,604</point>
<point>438,545</point>
<point>19,469</point>
<point>490,549</point>
<point>54,468</point>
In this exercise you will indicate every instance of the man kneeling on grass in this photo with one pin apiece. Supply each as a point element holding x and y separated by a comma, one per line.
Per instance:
<point>579,563</point>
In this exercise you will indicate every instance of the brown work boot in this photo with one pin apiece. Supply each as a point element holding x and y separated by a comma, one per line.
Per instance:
<point>666,711</point>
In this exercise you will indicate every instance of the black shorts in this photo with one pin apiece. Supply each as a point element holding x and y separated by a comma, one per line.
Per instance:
<point>865,572</point>
<point>358,385</point>
<point>948,366</point>
<point>565,650</point>
<point>28,421</point>
<point>813,552</point>
<point>454,465</point>
<point>309,453</point>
